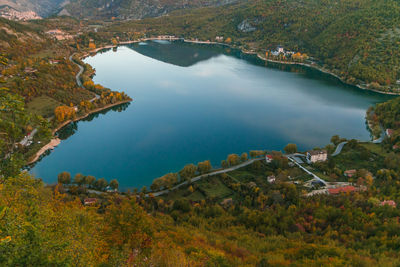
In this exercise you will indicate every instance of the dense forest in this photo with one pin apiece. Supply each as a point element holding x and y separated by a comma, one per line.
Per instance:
<point>356,40</point>
<point>235,219</point>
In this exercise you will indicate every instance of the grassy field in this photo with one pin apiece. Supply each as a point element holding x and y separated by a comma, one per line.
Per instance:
<point>213,188</point>
<point>375,148</point>
<point>43,105</point>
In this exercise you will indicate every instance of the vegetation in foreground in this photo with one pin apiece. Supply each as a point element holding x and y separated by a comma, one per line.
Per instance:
<point>235,219</point>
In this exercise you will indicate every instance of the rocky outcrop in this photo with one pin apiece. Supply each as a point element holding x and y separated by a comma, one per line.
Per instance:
<point>245,26</point>
<point>249,25</point>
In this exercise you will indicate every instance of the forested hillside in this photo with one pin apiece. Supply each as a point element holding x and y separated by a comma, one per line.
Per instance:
<point>260,224</point>
<point>132,9</point>
<point>356,40</point>
<point>39,90</point>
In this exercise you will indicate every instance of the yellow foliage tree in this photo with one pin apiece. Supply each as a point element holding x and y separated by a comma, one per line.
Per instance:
<point>63,113</point>
<point>92,45</point>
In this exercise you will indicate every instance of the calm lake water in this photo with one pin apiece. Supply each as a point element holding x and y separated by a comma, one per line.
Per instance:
<point>193,103</point>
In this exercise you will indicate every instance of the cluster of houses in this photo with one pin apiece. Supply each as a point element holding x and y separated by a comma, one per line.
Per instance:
<point>59,34</point>
<point>12,14</point>
<point>281,51</point>
<point>167,37</point>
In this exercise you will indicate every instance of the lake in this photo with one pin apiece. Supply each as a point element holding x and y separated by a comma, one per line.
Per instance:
<point>197,102</point>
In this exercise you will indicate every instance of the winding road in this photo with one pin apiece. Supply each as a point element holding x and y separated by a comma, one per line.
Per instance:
<point>197,178</point>
<point>339,148</point>
<point>77,76</point>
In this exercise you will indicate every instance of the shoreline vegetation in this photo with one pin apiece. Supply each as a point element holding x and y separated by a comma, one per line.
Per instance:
<point>312,65</point>
<point>55,141</point>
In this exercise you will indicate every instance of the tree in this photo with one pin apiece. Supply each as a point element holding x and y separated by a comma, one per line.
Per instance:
<point>114,184</point>
<point>191,189</point>
<point>13,121</point>
<point>204,167</point>
<point>79,179</point>
<point>157,184</point>
<point>89,180</point>
<point>182,205</point>
<point>233,159</point>
<point>256,153</point>
<point>224,164</point>
<point>335,139</point>
<point>101,184</point>
<point>92,45</point>
<point>64,178</point>
<point>188,172</point>
<point>244,157</point>
<point>170,179</point>
<point>144,190</point>
<point>63,113</point>
<point>290,148</point>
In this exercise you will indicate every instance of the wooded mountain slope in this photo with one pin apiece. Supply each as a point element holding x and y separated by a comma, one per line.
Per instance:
<point>357,40</point>
<point>132,9</point>
<point>42,7</point>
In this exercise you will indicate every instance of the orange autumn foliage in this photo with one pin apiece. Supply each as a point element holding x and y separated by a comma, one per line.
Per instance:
<point>63,113</point>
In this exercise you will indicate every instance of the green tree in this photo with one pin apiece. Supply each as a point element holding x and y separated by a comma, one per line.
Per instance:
<point>170,179</point>
<point>244,157</point>
<point>79,179</point>
<point>101,184</point>
<point>335,139</point>
<point>224,164</point>
<point>290,148</point>
<point>256,153</point>
<point>233,159</point>
<point>64,178</point>
<point>89,180</point>
<point>188,172</point>
<point>114,184</point>
<point>204,167</point>
<point>182,205</point>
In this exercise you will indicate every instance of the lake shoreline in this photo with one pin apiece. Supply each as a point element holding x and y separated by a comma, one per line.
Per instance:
<point>313,66</point>
<point>55,141</point>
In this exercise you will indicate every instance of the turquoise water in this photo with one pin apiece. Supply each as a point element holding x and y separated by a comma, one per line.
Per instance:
<point>193,103</point>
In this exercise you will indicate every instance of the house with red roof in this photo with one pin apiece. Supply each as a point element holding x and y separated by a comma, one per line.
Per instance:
<point>389,203</point>
<point>389,132</point>
<point>90,201</point>
<point>343,189</point>
<point>350,173</point>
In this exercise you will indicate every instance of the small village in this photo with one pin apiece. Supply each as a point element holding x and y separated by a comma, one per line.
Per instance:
<point>12,14</point>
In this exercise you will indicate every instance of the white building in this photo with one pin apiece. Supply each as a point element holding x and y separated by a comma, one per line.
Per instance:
<point>271,179</point>
<point>316,156</point>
